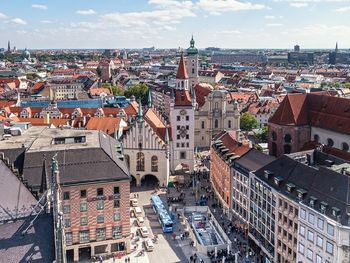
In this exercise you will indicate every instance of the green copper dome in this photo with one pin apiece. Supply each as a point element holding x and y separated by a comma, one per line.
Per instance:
<point>192,50</point>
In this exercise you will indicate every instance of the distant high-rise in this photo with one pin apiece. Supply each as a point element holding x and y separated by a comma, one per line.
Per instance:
<point>296,48</point>
<point>336,47</point>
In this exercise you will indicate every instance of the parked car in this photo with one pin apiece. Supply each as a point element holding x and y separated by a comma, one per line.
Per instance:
<point>149,246</point>
<point>143,231</point>
<point>140,221</point>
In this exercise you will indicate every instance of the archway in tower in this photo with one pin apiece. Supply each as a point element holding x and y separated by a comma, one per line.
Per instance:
<point>149,181</point>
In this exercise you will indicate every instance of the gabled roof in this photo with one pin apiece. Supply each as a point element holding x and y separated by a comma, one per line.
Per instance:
<point>182,98</point>
<point>202,90</point>
<point>292,111</point>
<point>181,71</point>
<point>157,124</point>
<point>105,124</point>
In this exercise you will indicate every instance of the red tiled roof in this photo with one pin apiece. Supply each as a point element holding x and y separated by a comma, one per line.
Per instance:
<point>181,71</point>
<point>153,119</point>
<point>105,124</point>
<point>292,111</point>
<point>182,98</point>
<point>228,139</point>
<point>40,121</point>
<point>202,90</point>
<point>98,91</point>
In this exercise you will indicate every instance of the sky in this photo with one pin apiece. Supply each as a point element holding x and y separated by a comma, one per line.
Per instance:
<point>170,23</point>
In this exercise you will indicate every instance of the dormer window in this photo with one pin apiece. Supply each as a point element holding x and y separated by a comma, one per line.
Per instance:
<point>268,174</point>
<point>290,187</point>
<point>335,211</point>
<point>312,201</point>
<point>301,193</point>
<point>323,207</point>
<point>278,180</point>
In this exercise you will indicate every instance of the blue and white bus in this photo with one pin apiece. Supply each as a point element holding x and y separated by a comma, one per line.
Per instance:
<point>163,216</point>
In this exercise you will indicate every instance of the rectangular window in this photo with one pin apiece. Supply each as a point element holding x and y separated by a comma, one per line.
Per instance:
<point>83,193</point>
<point>83,207</point>
<point>302,213</point>
<point>117,232</point>
<point>84,236</point>
<point>330,229</point>
<point>301,248</point>
<point>182,155</point>
<point>320,223</point>
<point>183,145</point>
<point>187,144</point>
<point>116,217</point>
<point>302,231</point>
<point>116,203</point>
<point>309,254</point>
<point>187,136</point>
<point>178,127</point>
<point>311,218</point>
<point>177,145</point>
<point>83,221</point>
<point>99,191</point>
<point>66,209</point>
<point>318,259</point>
<point>178,136</point>
<point>329,248</point>
<point>100,234</point>
<point>116,190</point>
<point>319,241</point>
<point>310,236</point>
<point>69,239</point>
<point>187,118</point>
<point>66,222</point>
<point>187,127</point>
<point>100,219</point>
<point>100,205</point>
<point>178,118</point>
<point>65,195</point>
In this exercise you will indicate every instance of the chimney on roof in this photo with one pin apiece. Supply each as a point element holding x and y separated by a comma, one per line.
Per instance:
<point>46,118</point>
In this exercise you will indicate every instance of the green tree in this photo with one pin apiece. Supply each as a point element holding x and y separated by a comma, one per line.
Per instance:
<point>117,91</point>
<point>347,85</point>
<point>263,136</point>
<point>139,91</point>
<point>248,122</point>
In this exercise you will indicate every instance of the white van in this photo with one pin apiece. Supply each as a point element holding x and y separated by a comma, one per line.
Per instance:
<point>148,245</point>
<point>138,211</point>
<point>140,221</point>
<point>133,202</point>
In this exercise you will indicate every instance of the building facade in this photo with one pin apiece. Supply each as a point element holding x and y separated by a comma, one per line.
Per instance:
<point>182,108</point>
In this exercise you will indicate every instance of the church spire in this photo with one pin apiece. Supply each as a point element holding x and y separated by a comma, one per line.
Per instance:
<point>149,99</point>
<point>140,113</point>
<point>181,71</point>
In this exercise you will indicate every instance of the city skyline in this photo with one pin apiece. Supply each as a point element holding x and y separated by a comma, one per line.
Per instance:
<point>170,24</point>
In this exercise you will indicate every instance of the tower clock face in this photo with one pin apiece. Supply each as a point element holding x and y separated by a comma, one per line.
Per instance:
<point>183,112</point>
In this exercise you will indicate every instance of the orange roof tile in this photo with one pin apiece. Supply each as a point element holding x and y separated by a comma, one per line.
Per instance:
<point>105,124</point>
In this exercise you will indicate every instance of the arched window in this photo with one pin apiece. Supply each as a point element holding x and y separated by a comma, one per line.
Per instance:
<point>127,160</point>
<point>345,146</point>
<point>330,142</point>
<point>316,138</point>
<point>287,138</point>
<point>216,105</point>
<point>229,124</point>
<point>193,71</point>
<point>203,125</point>
<point>140,161</point>
<point>154,164</point>
<point>287,149</point>
<point>274,136</point>
<point>216,124</point>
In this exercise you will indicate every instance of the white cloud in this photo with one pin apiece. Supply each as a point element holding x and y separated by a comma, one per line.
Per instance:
<point>39,6</point>
<point>3,16</point>
<point>46,21</point>
<point>18,21</point>
<point>219,6</point>
<point>274,24</point>
<point>230,32</point>
<point>298,5</point>
<point>343,9</point>
<point>270,17</point>
<point>86,12</point>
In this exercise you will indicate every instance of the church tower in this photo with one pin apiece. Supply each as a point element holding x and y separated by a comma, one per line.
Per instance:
<point>192,64</point>
<point>182,108</point>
